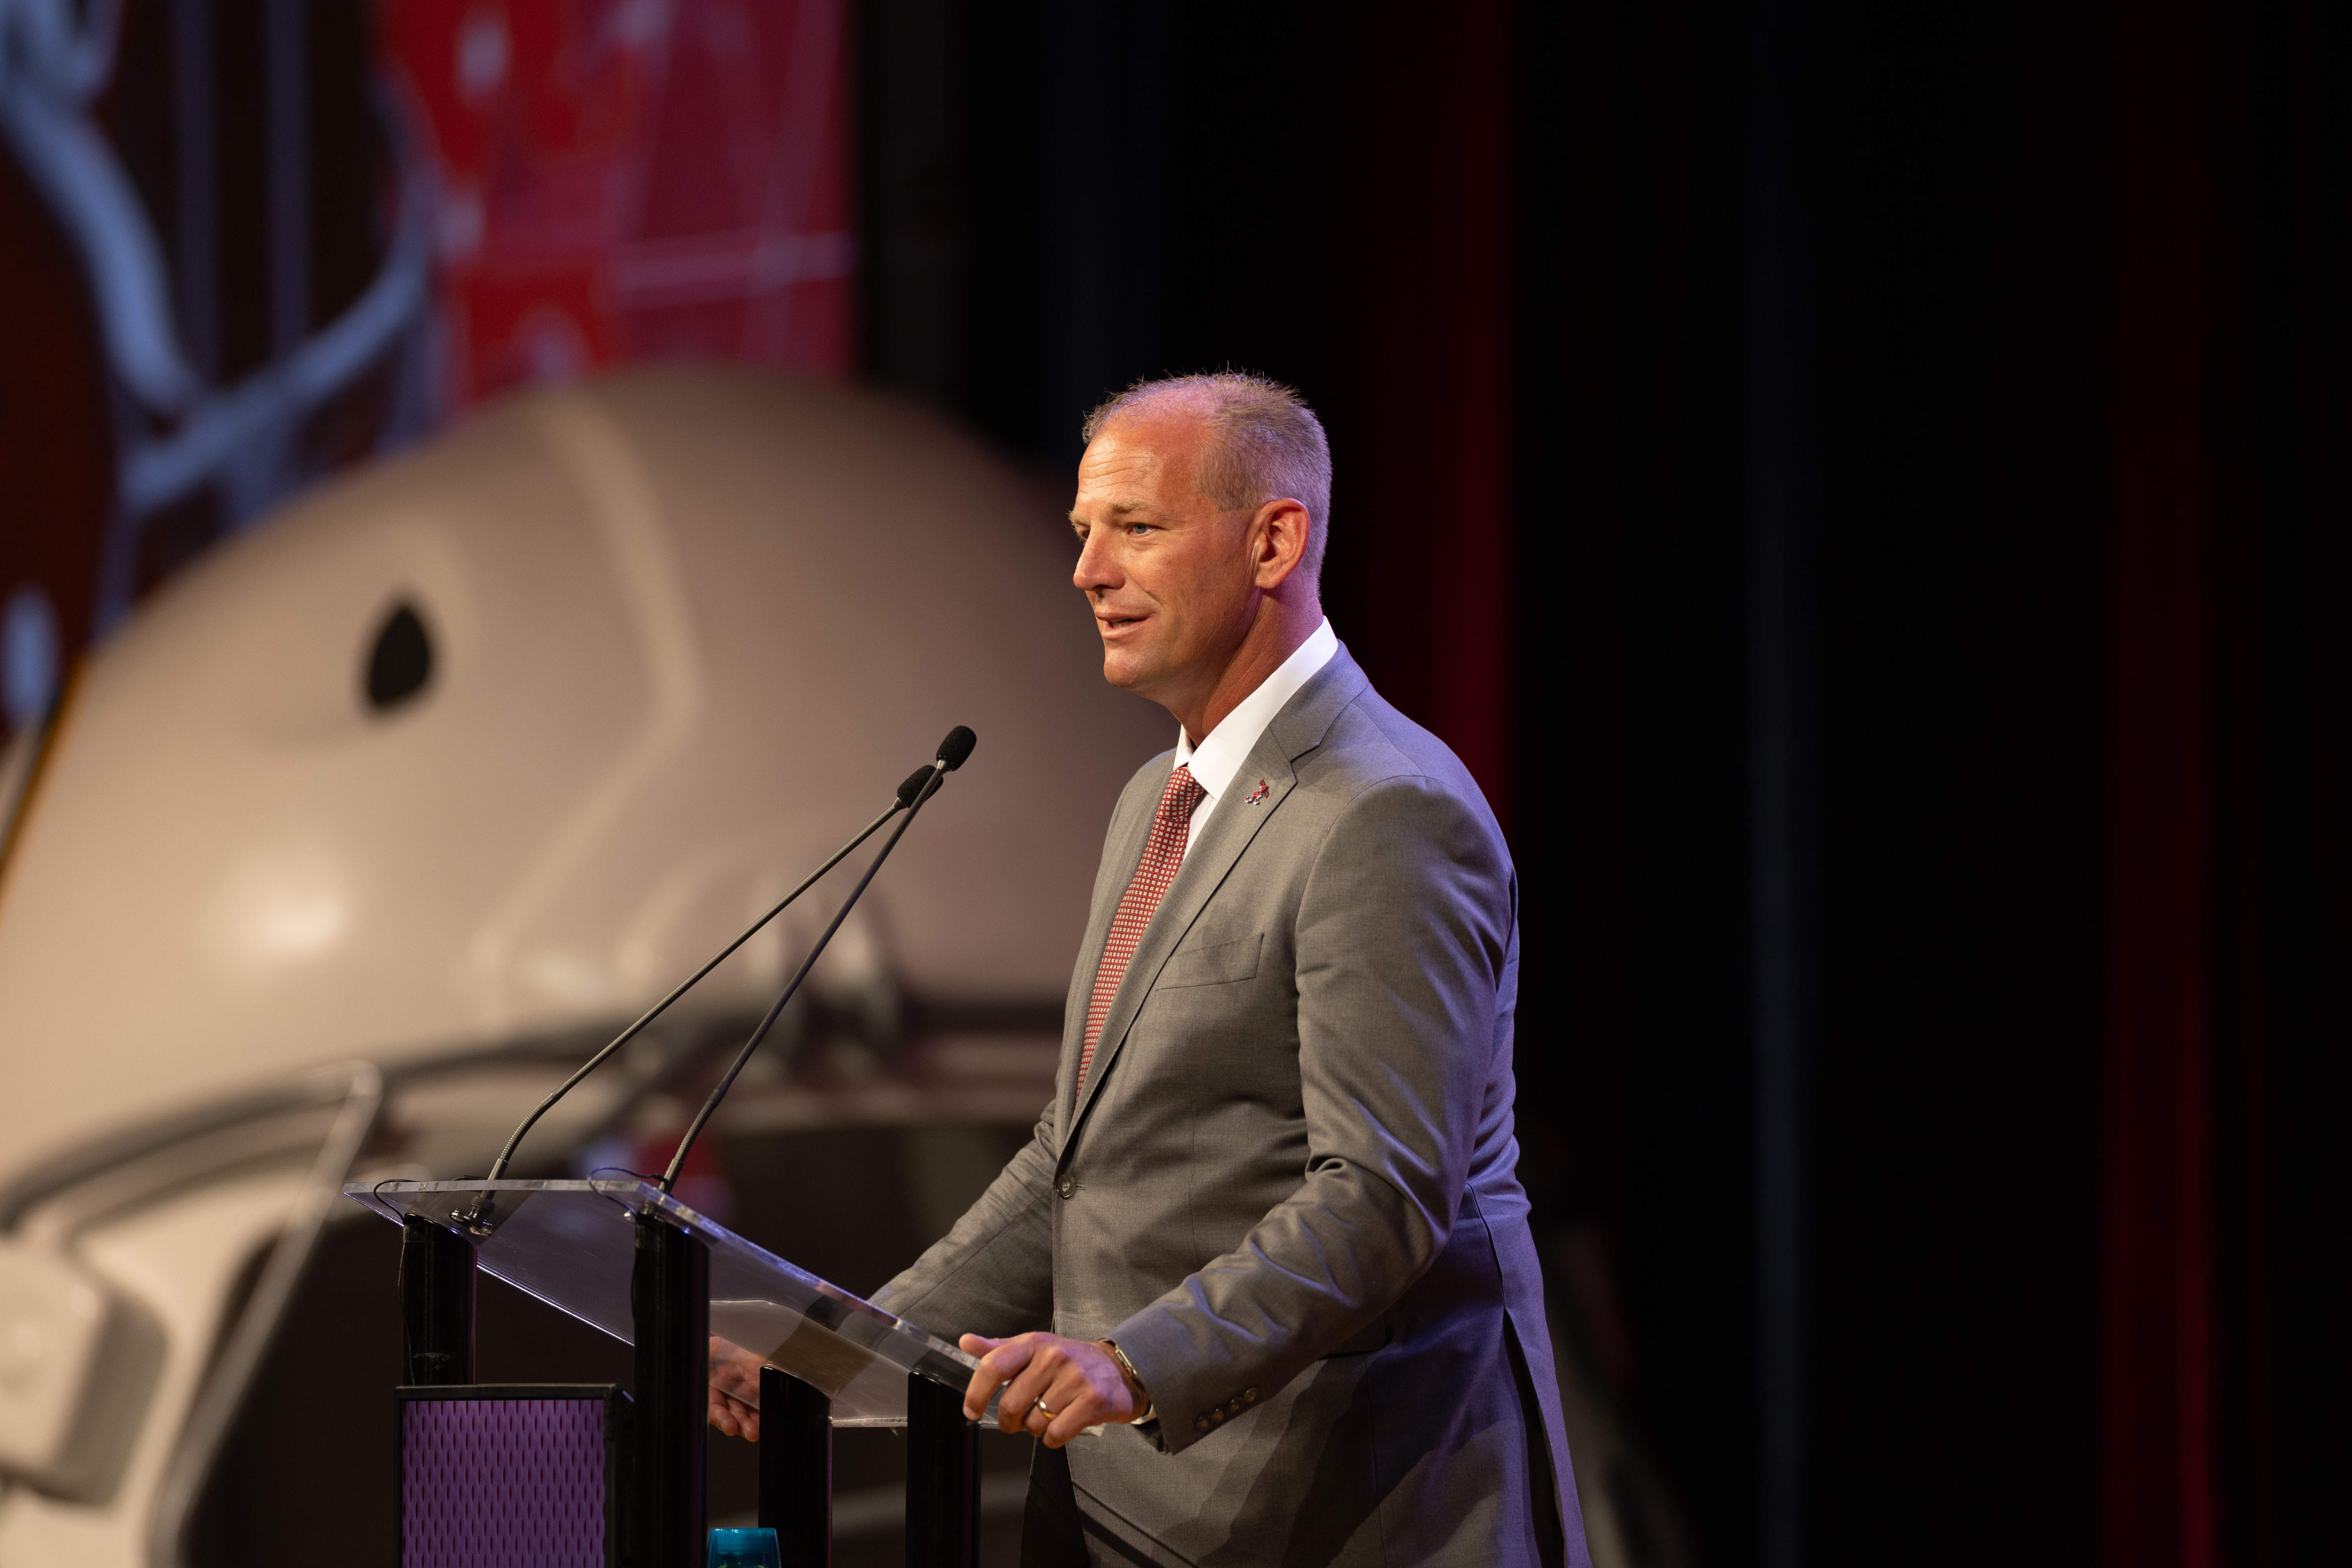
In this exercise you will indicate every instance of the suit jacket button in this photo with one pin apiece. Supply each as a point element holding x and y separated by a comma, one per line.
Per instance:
<point>1067,1186</point>
<point>1202,1424</point>
<point>1249,1397</point>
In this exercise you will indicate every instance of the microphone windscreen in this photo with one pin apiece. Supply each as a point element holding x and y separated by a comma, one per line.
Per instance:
<point>957,747</point>
<point>913,785</point>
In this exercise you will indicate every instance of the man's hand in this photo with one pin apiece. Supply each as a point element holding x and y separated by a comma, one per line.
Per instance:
<point>734,1390</point>
<point>1054,1388</point>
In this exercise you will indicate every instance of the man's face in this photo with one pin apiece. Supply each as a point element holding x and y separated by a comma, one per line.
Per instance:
<point>1171,576</point>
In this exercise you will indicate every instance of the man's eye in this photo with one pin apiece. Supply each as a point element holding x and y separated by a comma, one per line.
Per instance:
<point>1135,529</point>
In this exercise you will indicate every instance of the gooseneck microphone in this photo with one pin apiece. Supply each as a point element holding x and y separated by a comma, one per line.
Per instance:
<point>917,788</point>
<point>956,748</point>
<point>926,781</point>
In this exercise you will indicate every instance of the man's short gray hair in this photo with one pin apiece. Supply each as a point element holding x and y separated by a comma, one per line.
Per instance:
<point>1267,444</point>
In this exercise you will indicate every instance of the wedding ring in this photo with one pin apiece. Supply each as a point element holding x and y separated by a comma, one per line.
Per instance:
<point>1041,1406</point>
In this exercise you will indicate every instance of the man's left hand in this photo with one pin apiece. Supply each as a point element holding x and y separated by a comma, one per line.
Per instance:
<point>1054,1388</point>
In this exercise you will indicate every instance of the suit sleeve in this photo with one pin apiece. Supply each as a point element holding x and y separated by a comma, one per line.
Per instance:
<point>994,1273</point>
<point>1404,927</point>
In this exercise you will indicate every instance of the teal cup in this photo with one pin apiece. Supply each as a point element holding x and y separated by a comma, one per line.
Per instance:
<point>745,1549</point>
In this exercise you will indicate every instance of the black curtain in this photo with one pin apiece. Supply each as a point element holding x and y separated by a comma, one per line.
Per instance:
<point>1947,876</point>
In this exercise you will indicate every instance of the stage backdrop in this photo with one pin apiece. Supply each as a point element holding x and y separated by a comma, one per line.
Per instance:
<point>243,245</point>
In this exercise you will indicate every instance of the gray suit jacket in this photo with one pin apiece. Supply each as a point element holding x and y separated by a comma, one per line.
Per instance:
<point>1288,1189</point>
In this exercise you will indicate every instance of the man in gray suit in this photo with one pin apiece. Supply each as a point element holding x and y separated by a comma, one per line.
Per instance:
<point>1268,1243</point>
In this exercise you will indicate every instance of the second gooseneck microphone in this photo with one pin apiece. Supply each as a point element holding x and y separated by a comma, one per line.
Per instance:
<point>917,788</point>
<point>951,755</point>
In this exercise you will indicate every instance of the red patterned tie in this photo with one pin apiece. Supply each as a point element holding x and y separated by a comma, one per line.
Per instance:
<point>1162,856</point>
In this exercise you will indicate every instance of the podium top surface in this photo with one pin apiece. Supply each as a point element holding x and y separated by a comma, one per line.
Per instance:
<point>572,1244</point>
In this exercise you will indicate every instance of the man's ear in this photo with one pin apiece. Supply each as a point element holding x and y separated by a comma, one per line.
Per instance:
<point>1282,533</point>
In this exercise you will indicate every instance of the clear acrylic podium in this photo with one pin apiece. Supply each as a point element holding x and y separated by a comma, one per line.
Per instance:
<point>703,1307</point>
<point>573,1245</point>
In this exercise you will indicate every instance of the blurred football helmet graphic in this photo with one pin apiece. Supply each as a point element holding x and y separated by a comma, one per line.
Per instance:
<point>373,821</point>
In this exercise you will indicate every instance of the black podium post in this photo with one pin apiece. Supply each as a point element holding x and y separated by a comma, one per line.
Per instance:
<point>796,1468</point>
<point>942,1477</point>
<point>669,1302</point>
<point>436,1305</point>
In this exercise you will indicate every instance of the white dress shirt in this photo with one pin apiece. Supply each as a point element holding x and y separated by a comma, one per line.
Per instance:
<point>1225,748</point>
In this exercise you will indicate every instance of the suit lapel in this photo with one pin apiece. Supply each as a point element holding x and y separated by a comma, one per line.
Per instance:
<point>1296,730</point>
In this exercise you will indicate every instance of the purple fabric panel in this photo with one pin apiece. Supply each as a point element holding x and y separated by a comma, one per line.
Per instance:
<point>502,1483</point>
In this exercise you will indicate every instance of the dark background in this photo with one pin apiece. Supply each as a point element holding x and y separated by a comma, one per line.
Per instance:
<point>1862,488</point>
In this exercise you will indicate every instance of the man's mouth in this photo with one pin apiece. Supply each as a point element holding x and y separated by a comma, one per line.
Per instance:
<point>1114,625</point>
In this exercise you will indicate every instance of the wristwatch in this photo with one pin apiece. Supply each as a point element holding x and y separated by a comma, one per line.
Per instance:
<point>1128,1367</point>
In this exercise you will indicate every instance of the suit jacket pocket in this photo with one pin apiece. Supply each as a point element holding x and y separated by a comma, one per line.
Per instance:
<point>1219,964</point>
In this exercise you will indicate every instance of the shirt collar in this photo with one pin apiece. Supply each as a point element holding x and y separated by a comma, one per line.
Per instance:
<point>1225,748</point>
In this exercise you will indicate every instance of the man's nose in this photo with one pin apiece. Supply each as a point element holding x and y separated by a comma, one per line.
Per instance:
<point>1095,568</point>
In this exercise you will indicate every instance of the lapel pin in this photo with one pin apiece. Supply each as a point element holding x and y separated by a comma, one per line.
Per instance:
<point>1256,795</point>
